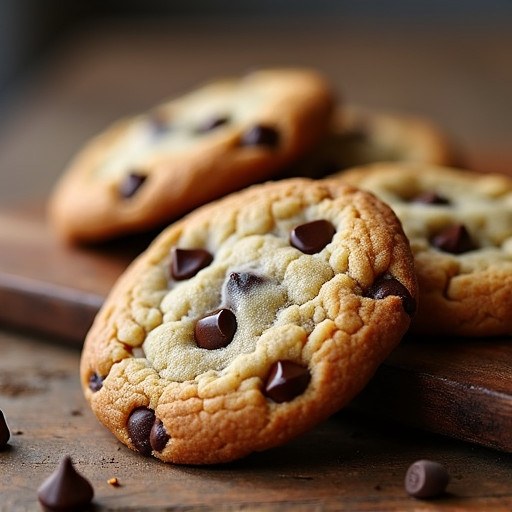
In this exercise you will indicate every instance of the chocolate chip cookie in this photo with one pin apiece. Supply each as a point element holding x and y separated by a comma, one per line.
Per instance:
<point>360,136</point>
<point>249,321</point>
<point>459,224</point>
<point>144,171</point>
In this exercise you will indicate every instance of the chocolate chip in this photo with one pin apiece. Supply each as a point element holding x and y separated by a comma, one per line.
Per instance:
<point>387,285</point>
<point>260,135</point>
<point>95,382</point>
<point>187,263</point>
<point>430,198</point>
<point>313,236</point>
<point>211,124</point>
<point>158,437</point>
<point>454,239</point>
<point>215,330</point>
<point>4,431</point>
<point>426,479</point>
<point>139,427</point>
<point>286,380</point>
<point>65,490</point>
<point>130,184</point>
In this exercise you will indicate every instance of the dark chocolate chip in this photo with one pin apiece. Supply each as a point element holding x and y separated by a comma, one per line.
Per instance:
<point>95,382</point>
<point>260,135</point>
<point>387,285</point>
<point>187,263</point>
<point>430,198</point>
<point>65,490</point>
<point>212,123</point>
<point>215,330</point>
<point>313,236</point>
<point>426,479</point>
<point>158,437</point>
<point>453,239</point>
<point>139,427</point>
<point>4,431</point>
<point>286,380</point>
<point>130,184</point>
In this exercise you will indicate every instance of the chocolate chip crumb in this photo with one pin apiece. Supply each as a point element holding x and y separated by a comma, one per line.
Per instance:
<point>4,431</point>
<point>65,490</point>
<point>426,479</point>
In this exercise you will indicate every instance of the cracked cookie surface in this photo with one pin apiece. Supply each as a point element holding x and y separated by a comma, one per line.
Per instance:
<point>249,321</point>
<point>459,224</point>
<point>147,170</point>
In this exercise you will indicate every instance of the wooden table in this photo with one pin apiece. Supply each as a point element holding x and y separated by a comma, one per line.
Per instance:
<point>355,460</point>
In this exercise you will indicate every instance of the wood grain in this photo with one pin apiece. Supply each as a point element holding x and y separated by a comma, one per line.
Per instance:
<point>345,464</point>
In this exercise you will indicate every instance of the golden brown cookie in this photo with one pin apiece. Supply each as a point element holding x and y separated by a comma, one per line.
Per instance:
<point>459,224</point>
<point>249,321</point>
<point>144,171</point>
<point>360,136</point>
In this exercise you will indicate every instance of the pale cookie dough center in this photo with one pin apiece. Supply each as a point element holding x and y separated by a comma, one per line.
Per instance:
<point>272,267</point>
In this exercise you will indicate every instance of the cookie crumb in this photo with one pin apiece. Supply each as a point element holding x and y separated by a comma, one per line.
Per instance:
<point>114,482</point>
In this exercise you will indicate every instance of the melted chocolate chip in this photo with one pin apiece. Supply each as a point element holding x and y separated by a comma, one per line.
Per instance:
<point>387,285</point>
<point>139,427</point>
<point>158,437</point>
<point>242,282</point>
<point>215,330</point>
<point>426,479</point>
<point>260,135</point>
<point>65,490</point>
<point>453,239</point>
<point>131,184</point>
<point>430,198</point>
<point>286,380</point>
<point>95,382</point>
<point>212,123</point>
<point>313,236</point>
<point>186,263</point>
<point>4,431</point>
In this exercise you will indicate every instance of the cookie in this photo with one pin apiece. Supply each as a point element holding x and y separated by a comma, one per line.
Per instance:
<point>361,135</point>
<point>459,224</point>
<point>249,321</point>
<point>144,171</point>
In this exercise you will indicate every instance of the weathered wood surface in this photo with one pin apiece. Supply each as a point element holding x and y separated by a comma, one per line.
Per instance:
<point>350,462</point>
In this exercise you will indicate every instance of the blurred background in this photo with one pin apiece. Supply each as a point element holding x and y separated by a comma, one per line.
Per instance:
<point>68,69</point>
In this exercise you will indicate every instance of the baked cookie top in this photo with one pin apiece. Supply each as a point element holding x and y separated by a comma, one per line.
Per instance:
<point>459,224</point>
<point>362,135</point>
<point>146,170</point>
<point>249,321</point>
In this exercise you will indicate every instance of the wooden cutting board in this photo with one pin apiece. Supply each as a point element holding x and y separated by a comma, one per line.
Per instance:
<point>457,387</point>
